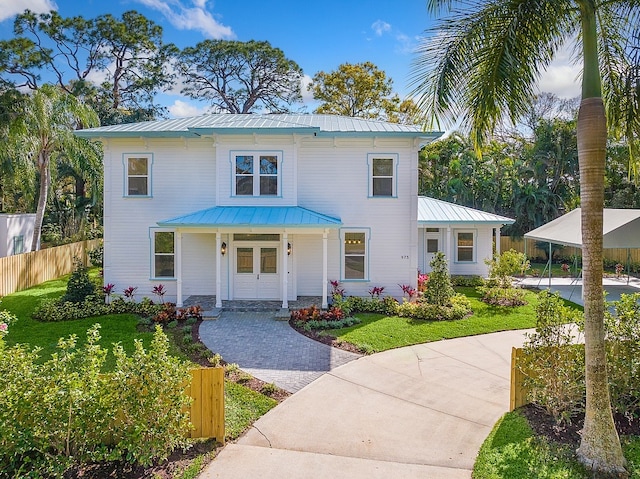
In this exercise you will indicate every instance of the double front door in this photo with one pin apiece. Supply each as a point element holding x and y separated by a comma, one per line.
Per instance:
<point>256,274</point>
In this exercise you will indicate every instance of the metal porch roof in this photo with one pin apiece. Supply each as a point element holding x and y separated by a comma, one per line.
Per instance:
<point>431,211</point>
<point>254,216</point>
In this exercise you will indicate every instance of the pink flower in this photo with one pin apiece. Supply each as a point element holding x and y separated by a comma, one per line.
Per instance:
<point>4,327</point>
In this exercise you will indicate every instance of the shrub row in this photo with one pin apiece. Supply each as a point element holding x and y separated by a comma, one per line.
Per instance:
<point>57,415</point>
<point>554,365</point>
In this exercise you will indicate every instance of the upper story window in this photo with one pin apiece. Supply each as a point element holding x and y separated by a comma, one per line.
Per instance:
<point>138,171</point>
<point>256,174</point>
<point>382,175</point>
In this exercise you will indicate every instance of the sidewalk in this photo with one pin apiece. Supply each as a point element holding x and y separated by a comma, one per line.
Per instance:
<point>414,412</point>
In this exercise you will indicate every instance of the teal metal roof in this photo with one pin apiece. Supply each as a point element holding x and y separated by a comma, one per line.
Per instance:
<point>431,211</point>
<point>319,125</point>
<point>254,216</point>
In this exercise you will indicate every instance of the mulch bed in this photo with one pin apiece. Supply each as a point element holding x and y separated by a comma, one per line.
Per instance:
<point>544,425</point>
<point>324,338</point>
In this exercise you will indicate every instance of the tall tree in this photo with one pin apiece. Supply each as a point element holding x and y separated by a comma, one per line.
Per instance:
<point>127,53</point>
<point>482,64</point>
<point>43,134</point>
<point>360,90</point>
<point>240,77</point>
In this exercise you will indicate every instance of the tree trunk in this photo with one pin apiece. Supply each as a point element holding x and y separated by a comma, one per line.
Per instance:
<point>600,445</point>
<point>45,181</point>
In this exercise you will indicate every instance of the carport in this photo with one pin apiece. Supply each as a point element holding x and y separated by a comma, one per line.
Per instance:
<point>621,229</point>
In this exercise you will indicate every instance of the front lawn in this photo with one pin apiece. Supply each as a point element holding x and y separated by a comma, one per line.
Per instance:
<point>513,451</point>
<point>378,333</point>
<point>116,328</point>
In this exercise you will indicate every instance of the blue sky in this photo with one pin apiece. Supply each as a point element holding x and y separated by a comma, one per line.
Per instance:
<point>316,35</point>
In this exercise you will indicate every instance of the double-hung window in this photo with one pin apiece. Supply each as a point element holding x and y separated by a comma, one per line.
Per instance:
<point>465,246</point>
<point>382,175</point>
<point>18,244</point>
<point>355,255</point>
<point>138,175</point>
<point>256,174</point>
<point>164,256</point>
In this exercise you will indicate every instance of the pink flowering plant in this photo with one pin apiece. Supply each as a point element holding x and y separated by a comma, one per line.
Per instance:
<point>130,293</point>
<point>408,290</point>
<point>6,319</point>
<point>376,291</point>
<point>336,290</point>
<point>107,289</point>
<point>159,290</point>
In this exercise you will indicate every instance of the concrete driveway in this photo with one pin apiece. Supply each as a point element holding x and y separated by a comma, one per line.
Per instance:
<point>416,412</point>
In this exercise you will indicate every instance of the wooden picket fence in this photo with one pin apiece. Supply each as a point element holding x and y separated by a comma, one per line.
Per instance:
<point>24,270</point>
<point>207,408</point>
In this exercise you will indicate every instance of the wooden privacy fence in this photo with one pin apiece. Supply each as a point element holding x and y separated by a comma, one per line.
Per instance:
<point>24,270</point>
<point>207,408</point>
<point>518,396</point>
<point>619,255</point>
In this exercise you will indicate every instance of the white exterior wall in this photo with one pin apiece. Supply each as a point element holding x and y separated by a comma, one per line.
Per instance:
<point>12,226</point>
<point>183,180</point>
<point>325,175</point>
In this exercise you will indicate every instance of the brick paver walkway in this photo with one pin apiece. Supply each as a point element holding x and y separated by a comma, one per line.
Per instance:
<point>269,349</point>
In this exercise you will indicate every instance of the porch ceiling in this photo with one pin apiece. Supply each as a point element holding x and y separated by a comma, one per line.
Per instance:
<point>254,216</point>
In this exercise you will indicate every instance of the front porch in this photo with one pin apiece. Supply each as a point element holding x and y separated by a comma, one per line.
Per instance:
<point>210,311</point>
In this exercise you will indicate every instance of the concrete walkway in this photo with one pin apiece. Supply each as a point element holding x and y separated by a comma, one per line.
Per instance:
<point>571,288</point>
<point>415,412</point>
<point>270,350</point>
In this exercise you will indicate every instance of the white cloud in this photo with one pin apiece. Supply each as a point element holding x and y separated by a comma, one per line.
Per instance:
<point>182,109</point>
<point>195,17</point>
<point>307,96</point>
<point>563,76</point>
<point>380,27</point>
<point>9,8</point>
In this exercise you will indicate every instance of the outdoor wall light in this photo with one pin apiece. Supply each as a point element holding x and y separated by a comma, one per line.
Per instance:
<point>289,249</point>
<point>223,248</point>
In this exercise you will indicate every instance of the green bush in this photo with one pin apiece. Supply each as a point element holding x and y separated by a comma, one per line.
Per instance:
<point>498,296</point>
<point>324,324</point>
<point>80,285</point>
<point>357,304</point>
<point>96,255</point>
<point>439,290</point>
<point>553,364</point>
<point>502,267</point>
<point>64,412</point>
<point>54,310</point>
<point>458,308</point>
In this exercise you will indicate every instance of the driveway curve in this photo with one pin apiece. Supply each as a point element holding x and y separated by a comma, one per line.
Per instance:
<point>414,412</point>
<point>270,350</point>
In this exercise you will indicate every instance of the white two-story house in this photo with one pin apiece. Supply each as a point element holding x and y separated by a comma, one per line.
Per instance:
<point>261,206</point>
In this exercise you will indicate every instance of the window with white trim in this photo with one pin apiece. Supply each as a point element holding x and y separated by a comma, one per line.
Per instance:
<point>382,172</point>
<point>18,244</point>
<point>256,174</point>
<point>138,175</point>
<point>355,255</point>
<point>465,246</point>
<point>164,256</point>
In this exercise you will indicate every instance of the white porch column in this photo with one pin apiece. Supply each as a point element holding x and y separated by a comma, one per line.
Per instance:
<point>218,269</point>
<point>179,268</point>
<point>285,270</point>
<point>449,251</point>
<point>325,277</point>
<point>498,241</point>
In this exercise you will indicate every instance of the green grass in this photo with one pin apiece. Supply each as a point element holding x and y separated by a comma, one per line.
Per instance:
<point>512,451</point>
<point>242,407</point>
<point>537,269</point>
<point>115,328</point>
<point>378,333</point>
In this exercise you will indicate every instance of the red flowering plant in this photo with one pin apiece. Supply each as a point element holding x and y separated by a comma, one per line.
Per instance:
<point>130,292</point>
<point>423,279</point>
<point>376,291</point>
<point>408,290</point>
<point>159,290</point>
<point>107,290</point>
<point>336,290</point>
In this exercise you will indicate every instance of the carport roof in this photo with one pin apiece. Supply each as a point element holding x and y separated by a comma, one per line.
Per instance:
<point>621,229</point>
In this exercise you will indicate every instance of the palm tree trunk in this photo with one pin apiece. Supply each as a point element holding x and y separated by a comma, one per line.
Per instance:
<point>45,181</point>
<point>600,445</point>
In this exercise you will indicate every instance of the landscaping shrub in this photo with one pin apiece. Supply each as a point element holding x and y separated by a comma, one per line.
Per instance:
<point>96,255</point>
<point>80,285</point>
<point>329,324</point>
<point>458,308</point>
<point>439,290</point>
<point>64,412</point>
<point>53,310</point>
<point>498,296</point>
<point>356,304</point>
<point>553,364</point>
<point>498,289</point>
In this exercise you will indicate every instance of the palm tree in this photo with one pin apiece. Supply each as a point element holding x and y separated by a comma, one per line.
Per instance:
<point>481,64</point>
<point>44,134</point>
